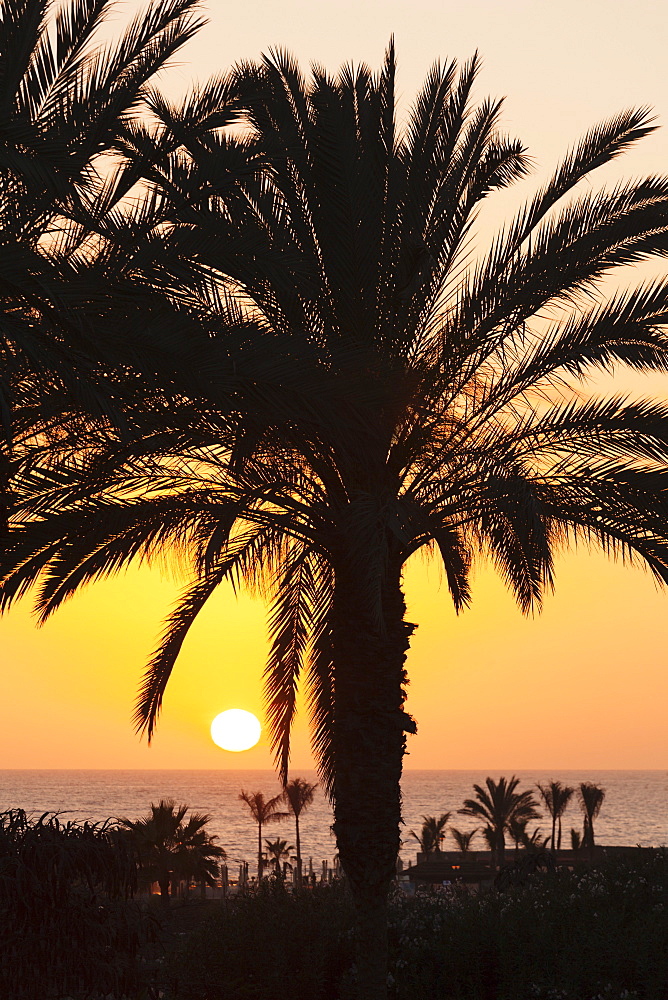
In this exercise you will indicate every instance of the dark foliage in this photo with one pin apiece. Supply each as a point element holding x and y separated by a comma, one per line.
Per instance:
<point>551,935</point>
<point>269,944</point>
<point>69,927</point>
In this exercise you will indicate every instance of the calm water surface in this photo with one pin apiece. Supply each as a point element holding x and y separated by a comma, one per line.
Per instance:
<point>635,810</point>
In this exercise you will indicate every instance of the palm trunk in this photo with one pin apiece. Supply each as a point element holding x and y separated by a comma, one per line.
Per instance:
<point>369,646</point>
<point>553,843</point>
<point>299,851</point>
<point>259,853</point>
<point>500,848</point>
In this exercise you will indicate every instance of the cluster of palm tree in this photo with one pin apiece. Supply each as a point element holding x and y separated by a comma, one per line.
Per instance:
<point>504,810</point>
<point>297,796</point>
<point>247,327</point>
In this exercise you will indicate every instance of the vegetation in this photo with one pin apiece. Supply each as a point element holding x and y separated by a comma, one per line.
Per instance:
<point>502,808</point>
<point>298,795</point>
<point>591,798</point>
<point>556,797</point>
<point>278,852</point>
<point>463,838</point>
<point>263,811</point>
<point>170,848</point>
<point>432,834</point>
<point>333,385</point>
<point>585,935</point>
<point>69,927</point>
<point>74,293</point>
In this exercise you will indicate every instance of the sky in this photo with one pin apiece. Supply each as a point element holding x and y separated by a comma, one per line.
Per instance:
<point>584,684</point>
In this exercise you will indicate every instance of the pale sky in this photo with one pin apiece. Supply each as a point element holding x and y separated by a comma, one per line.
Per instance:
<point>585,684</point>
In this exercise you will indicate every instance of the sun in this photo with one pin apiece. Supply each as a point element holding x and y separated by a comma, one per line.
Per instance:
<point>236,730</point>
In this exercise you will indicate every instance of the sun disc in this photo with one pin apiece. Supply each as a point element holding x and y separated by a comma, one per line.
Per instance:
<point>236,730</point>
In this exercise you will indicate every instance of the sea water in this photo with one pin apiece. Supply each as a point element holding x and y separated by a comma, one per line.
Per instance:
<point>635,809</point>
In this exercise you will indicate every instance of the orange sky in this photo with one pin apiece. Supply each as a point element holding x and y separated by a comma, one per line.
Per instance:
<point>585,683</point>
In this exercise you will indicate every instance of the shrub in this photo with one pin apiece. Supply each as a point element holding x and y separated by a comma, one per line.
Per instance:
<point>599,933</point>
<point>69,928</point>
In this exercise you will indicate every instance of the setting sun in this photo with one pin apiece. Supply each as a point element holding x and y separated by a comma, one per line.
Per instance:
<point>236,730</point>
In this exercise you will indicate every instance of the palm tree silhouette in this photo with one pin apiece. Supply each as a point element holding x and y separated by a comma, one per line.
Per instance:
<point>501,807</point>
<point>591,799</point>
<point>463,838</point>
<point>263,811</point>
<point>556,797</point>
<point>277,851</point>
<point>370,392</point>
<point>170,847</point>
<point>432,834</point>
<point>298,795</point>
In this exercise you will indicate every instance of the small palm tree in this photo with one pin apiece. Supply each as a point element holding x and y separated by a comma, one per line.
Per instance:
<point>298,795</point>
<point>170,848</point>
<point>591,799</point>
<point>463,838</point>
<point>500,805</point>
<point>432,834</point>
<point>263,811</point>
<point>576,839</point>
<point>278,851</point>
<point>556,797</point>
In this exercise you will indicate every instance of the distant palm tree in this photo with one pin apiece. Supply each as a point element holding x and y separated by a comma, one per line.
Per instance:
<point>277,851</point>
<point>576,839</point>
<point>170,848</point>
<point>463,838</point>
<point>298,795</point>
<point>556,797</point>
<point>263,811</point>
<point>517,828</point>
<point>499,805</point>
<point>432,833</point>
<point>591,799</point>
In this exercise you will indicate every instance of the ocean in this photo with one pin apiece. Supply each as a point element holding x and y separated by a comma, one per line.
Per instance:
<point>635,810</point>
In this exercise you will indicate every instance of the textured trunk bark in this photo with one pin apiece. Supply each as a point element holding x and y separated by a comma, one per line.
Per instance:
<point>369,743</point>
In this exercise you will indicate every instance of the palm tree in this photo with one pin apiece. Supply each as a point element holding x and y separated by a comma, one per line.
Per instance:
<point>463,838</point>
<point>298,795</point>
<point>517,828</point>
<point>170,848</point>
<point>277,851</point>
<point>556,798</point>
<point>263,811</point>
<point>591,799</point>
<point>432,834</point>
<point>502,808</point>
<point>378,394</point>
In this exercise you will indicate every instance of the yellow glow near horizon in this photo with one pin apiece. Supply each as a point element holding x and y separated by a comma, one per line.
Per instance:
<point>236,730</point>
